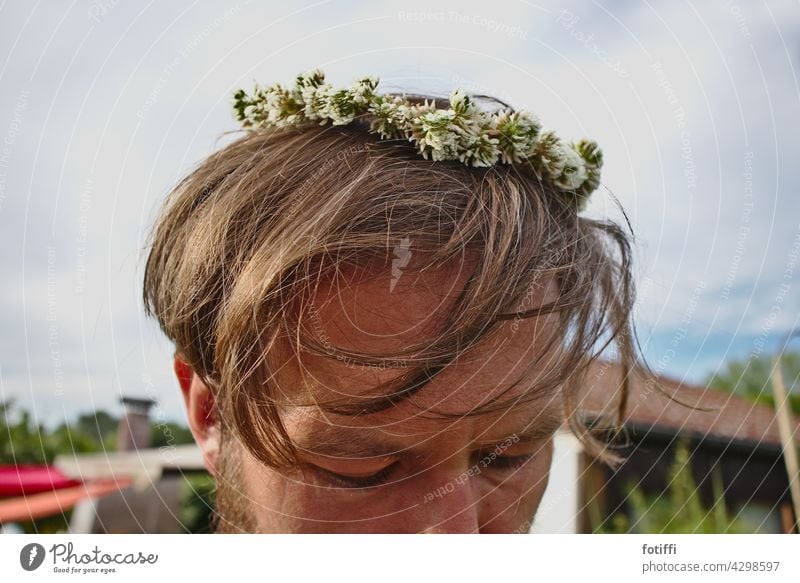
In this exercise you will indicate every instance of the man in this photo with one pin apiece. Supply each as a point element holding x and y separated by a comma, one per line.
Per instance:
<point>370,341</point>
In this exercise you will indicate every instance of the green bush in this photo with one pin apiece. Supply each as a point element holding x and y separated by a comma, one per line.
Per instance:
<point>679,509</point>
<point>197,503</point>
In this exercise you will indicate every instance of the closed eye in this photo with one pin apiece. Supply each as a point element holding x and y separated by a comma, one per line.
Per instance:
<point>510,462</point>
<point>337,480</point>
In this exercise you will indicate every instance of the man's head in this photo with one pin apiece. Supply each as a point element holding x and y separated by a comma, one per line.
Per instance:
<point>368,341</point>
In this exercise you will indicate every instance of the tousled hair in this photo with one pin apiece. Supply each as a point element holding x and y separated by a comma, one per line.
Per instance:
<point>243,240</point>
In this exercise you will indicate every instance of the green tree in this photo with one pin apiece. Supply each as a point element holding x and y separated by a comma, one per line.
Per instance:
<point>27,442</point>
<point>170,433</point>
<point>24,441</point>
<point>750,378</point>
<point>100,424</point>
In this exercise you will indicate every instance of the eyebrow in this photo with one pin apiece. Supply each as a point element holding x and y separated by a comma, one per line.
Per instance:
<point>349,442</point>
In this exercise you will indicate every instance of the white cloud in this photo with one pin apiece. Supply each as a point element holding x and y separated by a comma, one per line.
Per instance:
<point>120,105</point>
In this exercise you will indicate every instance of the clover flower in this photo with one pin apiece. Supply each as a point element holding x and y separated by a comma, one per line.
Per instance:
<point>462,132</point>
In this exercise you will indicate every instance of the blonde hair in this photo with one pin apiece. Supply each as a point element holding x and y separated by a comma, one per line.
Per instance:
<point>242,239</point>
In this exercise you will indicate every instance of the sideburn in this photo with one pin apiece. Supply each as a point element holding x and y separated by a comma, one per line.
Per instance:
<point>232,513</point>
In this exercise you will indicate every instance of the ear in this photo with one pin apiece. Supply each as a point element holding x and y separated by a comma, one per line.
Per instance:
<point>201,411</point>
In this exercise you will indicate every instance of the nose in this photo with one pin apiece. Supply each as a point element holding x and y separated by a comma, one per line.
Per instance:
<point>453,509</point>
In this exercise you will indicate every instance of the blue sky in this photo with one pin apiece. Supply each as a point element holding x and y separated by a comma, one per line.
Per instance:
<point>104,105</point>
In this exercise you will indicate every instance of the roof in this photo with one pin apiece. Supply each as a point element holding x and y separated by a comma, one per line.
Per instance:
<point>143,465</point>
<point>705,412</point>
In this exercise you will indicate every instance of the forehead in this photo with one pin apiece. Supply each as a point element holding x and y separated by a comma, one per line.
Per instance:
<point>385,309</point>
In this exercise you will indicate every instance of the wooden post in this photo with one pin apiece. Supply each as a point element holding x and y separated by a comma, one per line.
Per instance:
<point>786,426</point>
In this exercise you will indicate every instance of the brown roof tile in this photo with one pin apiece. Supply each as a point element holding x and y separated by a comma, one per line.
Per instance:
<point>707,412</point>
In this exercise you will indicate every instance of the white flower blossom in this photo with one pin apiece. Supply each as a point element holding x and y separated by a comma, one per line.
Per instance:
<point>462,131</point>
<point>518,134</point>
<point>570,172</point>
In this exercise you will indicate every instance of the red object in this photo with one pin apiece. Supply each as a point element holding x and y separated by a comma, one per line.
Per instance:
<point>22,480</point>
<point>56,501</point>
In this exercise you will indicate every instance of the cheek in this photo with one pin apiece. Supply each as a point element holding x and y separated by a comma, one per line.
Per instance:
<point>302,504</point>
<point>509,502</point>
<point>505,501</point>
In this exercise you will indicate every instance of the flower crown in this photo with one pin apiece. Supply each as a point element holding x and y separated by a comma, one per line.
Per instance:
<point>462,132</point>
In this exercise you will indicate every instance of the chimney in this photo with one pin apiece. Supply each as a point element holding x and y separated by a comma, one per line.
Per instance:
<point>134,427</point>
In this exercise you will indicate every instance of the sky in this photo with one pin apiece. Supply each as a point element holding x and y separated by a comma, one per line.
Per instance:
<point>104,105</point>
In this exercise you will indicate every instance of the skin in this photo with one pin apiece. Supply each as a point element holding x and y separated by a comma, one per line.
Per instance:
<point>483,473</point>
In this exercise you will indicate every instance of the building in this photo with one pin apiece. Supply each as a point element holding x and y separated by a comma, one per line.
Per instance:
<point>150,499</point>
<point>730,439</point>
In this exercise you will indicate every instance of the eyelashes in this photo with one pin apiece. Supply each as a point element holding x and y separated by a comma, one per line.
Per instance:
<point>335,480</point>
<point>511,462</point>
<point>381,477</point>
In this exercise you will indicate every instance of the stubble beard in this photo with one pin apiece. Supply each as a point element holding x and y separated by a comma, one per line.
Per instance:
<point>233,512</point>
